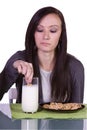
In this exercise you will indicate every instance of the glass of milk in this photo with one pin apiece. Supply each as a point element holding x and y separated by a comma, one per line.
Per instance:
<point>30,96</point>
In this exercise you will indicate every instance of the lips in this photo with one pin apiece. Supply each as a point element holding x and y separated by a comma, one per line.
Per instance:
<point>45,43</point>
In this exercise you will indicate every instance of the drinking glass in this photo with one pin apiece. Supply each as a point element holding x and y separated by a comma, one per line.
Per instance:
<point>30,96</point>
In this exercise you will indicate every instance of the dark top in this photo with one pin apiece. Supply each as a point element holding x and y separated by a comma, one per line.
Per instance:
<point>10,75</point>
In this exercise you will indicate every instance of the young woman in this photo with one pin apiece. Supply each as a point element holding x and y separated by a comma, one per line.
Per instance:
<point>61,75</point>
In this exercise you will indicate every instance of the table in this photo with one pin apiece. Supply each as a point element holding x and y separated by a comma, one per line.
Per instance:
<point>38,124</point>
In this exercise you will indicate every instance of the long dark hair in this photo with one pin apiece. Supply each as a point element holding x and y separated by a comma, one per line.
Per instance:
<point>60,82</point>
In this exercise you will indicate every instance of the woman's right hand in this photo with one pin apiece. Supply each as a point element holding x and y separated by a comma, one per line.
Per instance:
<point>24,68</point>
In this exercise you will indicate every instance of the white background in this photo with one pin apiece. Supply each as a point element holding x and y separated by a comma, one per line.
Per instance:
<point>16,14</point>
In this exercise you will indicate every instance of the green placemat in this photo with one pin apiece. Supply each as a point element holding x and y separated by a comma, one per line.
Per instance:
<point>17,113</point>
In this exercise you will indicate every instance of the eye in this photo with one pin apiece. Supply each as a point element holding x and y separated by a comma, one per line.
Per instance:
<point>53,30</point>
<point>39,29</point>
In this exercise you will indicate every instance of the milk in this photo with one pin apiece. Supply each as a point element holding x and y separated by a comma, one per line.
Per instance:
<point>30,98</point>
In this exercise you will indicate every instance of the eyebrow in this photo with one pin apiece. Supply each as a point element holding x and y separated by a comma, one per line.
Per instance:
<point>49,26</point>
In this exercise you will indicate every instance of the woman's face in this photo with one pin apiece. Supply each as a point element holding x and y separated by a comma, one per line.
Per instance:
<point>48,33</point>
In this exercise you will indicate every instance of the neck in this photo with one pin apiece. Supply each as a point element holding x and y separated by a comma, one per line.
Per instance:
<point>46,60</point>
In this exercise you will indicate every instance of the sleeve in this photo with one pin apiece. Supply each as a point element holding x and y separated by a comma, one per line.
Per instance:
<point>9,74</point>
<point>77,79</point>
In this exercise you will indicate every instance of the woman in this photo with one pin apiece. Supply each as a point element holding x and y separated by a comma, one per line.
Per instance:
<point>61,76</point>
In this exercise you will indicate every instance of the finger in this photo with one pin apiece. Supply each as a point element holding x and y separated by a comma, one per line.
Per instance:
<point>29,74</point>
<point>29,78</point>
<point>24,70</point>
<point>19,68</point>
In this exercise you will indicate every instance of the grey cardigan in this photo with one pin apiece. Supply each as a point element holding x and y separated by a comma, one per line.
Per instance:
<point>9,76</point>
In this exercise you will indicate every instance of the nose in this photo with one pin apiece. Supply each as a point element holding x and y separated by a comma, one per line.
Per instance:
<point>46,35</point>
